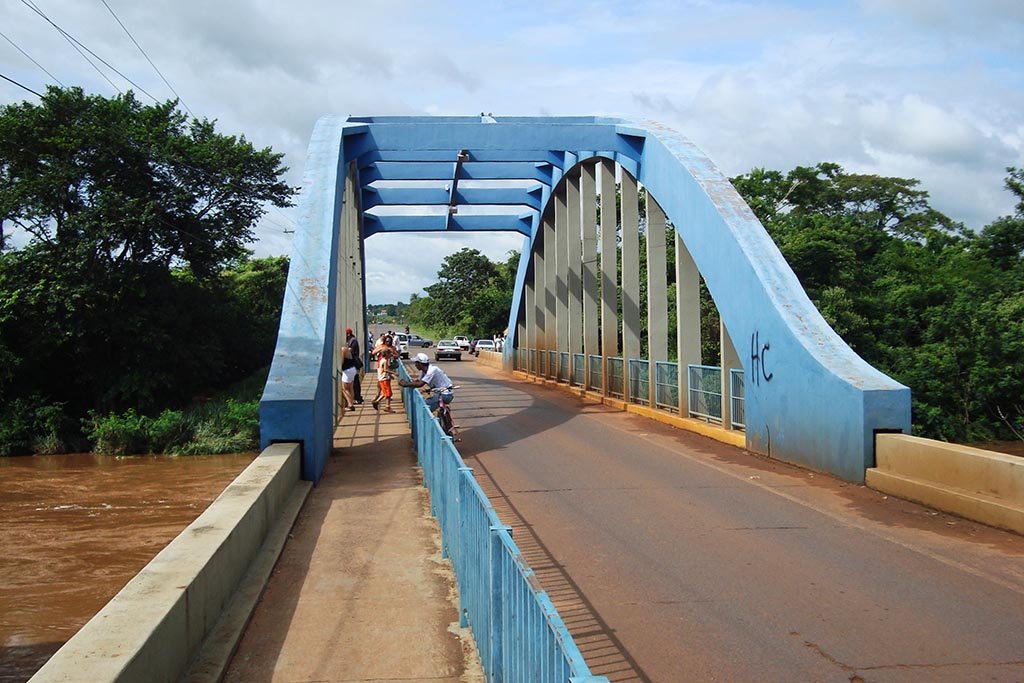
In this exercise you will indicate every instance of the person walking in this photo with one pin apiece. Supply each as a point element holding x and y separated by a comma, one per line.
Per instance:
<point>348,374</point>
<point>357,362</point>
<point>384,354</point>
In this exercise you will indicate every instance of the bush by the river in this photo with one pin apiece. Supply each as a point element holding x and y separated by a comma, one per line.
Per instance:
<point>226,424</point>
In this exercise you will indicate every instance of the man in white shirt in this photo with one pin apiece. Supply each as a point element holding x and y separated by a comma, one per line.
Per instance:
<point>431,377</point>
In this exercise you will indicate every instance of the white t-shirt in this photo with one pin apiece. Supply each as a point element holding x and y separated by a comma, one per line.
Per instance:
<point>435,378</point>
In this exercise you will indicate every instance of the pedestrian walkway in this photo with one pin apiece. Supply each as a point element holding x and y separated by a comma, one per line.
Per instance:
<point>361,592</point>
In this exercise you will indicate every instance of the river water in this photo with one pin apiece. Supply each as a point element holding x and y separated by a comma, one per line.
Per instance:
<point>75,528</point>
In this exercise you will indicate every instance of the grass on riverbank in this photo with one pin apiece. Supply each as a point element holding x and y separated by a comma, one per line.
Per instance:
<point>227,423</point>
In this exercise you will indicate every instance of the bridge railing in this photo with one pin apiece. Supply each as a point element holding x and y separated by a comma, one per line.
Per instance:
<point>666,386</point>
<point>579,370</point>
<point>639,381</point>
<point>518,632</point>
<point>595,382</point>
<point>705,387</point>
<point>563,366</point>
<point>737,405</point>
<point>615,387</point>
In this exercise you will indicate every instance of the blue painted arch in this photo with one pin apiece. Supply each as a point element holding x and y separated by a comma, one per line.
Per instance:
<point>809,398</point>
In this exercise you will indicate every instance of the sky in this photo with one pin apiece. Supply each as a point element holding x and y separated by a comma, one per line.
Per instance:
<point>926,89</point>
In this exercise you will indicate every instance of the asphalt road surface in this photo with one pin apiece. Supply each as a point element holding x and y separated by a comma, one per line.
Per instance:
<point>673,557</point>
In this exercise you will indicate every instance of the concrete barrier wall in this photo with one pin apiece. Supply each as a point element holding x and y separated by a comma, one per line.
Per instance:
<point>153,628</point>
<point>492,358</point>
<point>982,485</point>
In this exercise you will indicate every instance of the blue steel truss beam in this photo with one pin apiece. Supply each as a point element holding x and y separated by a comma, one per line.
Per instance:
<point>440,170</point>
<point>550,156</point>
<point>416,192</point>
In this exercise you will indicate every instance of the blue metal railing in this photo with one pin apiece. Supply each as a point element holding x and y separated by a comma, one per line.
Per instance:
<point>666,386</point>
<point>563,366</point>
<point>705,387</point>
<point>579,369</point>
<point>737,406</point>
<point>542,362</point>
<point>553,364</point>
<point>615,376</point>
<point>518,632</point>
<point>639,381</point>
<point>594,381</point>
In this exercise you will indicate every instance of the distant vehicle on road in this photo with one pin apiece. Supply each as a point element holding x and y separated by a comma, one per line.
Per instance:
<point>417,340</point>
<point>448,348</point>
<point>463,343</point>
<point>483,345</point>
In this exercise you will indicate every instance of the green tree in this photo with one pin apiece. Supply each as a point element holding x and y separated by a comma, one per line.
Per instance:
<point>134,213</point>
<point>913,292</point>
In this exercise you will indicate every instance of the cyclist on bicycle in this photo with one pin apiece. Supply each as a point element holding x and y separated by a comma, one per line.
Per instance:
<point>434,379</point>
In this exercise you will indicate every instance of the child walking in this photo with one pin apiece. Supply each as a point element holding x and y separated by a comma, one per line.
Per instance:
<point>384,353</point>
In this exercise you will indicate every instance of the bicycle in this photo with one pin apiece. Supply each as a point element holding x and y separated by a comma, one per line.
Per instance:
<point>444,414</point>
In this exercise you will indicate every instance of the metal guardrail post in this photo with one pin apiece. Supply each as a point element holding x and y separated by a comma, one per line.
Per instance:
<point>497,582</point>
<point>463,607</point>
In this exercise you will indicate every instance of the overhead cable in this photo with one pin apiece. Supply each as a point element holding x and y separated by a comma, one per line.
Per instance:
<point>121,24</point>
<point>29,57</point>
<point>24,87</point>
<point>77,43</point>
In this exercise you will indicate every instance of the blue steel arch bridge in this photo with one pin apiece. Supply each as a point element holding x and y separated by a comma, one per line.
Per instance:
<point>784,378</point>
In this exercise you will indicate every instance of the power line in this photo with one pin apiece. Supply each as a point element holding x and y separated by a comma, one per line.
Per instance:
<point>116,18</point>
<point>77,43</point>
<point>77,49</point>
<point>29,57</point>
<point>23,87</point>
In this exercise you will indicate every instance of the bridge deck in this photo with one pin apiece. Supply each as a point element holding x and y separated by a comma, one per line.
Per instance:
<point>673,557</point>
<point>360,592</point>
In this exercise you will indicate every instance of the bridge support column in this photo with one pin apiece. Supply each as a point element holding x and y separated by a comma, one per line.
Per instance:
<point>561,277</point>
<point>730,361</point>
<point>657,296</point>
<point>630,280</point>
<point>588,201</point>
<point>687,320</point>
<point>540,339</point>
<point>575,281</point>
<point>349,309</point>
<point>528,340</point>
<point>609,271</point>
<point>550,278</point>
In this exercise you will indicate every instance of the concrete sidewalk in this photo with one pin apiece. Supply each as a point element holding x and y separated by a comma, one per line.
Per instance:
<point>361,592</point>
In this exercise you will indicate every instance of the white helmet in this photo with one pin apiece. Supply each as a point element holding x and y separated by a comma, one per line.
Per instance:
<point>422,358</point>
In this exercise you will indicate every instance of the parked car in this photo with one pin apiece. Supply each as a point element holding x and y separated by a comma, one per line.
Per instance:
<point>463,343</point>
<point>402,343</point>
<point>417,340</point>
<point>447,348</point>
<point>483,345</point>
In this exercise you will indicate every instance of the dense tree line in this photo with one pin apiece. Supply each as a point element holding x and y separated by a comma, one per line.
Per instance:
<point>936,306</point>
<point>135,289</point>
<point>471,297</point>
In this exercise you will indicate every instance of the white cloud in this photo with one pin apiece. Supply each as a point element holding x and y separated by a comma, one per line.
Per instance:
<point>931,89</point>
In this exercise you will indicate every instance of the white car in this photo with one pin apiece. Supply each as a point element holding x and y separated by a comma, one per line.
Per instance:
<point>484,345</point>
<point>463,343</point>
<point>447,348</point>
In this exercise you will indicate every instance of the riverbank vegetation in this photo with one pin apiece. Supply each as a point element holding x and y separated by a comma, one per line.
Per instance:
<point>131,291</point>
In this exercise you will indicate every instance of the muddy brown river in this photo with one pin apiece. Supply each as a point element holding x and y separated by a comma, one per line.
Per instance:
<point>75,528</point>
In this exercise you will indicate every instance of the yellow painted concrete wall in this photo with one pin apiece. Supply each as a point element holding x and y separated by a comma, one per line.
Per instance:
<point>975,483</point>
